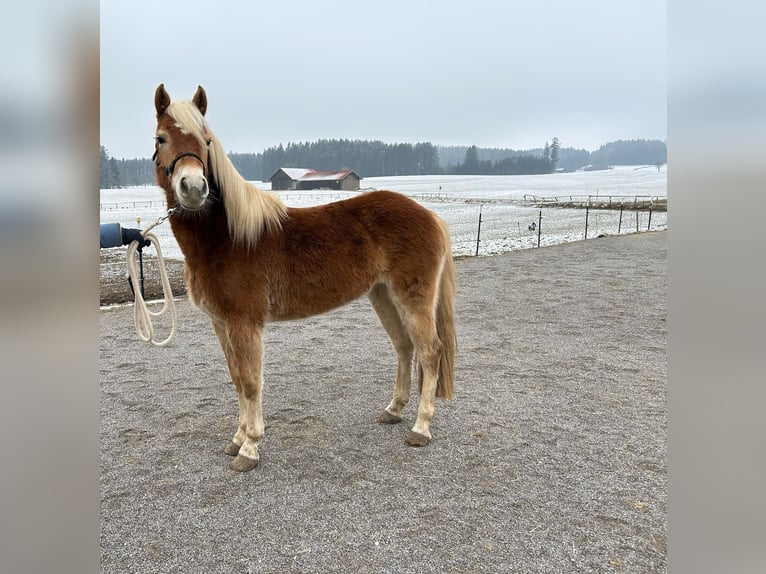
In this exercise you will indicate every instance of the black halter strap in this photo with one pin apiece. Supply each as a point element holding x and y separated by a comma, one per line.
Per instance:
<point>214,192</point>
<point>169,169</point>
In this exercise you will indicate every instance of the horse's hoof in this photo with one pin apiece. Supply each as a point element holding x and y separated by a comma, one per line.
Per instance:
<point>243,464</point>
<point>417,439</point>
<point>232,449</point>
<point>387,418</point>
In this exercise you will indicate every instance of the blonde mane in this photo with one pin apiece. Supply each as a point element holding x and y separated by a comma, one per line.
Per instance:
<point>249,211</point>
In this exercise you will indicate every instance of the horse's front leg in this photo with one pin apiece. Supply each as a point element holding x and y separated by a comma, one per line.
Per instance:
<point>232,449</point>
<point>243,346</point>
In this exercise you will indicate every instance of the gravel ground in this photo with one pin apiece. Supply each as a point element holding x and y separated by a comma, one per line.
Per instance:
<point>113,282</point>
<point>551,457</point>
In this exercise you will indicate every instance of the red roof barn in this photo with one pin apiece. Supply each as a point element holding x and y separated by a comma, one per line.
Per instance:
<point>302,178</point>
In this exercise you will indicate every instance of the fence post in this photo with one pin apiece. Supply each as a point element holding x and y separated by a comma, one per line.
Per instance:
<point>539,226</point>
<point>478,232</point>
<point>619,225</point>
<point>649,225</point>
<point>587,209</point>
<point>636,219</point>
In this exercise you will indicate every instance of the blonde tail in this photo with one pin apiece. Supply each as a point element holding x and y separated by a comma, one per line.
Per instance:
<point>445,325</point>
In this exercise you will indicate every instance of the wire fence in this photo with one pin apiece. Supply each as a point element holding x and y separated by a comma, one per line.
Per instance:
<point>127,205</point>
<point>490,229</point>
<point>646,202</point>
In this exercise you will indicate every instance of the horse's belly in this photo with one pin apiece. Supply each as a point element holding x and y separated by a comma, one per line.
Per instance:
<point>308,302</point>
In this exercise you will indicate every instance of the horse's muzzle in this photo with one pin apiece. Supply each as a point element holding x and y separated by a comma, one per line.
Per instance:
<point>192,191</point>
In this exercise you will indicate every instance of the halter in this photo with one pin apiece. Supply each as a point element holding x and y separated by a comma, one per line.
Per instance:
<point>169,169</point>
<point>214,193</point>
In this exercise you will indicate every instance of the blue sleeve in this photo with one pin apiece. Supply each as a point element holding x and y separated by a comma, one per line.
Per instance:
<point>111,235</point>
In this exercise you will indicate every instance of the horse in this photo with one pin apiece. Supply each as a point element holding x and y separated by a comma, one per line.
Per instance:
<point>251,260</point>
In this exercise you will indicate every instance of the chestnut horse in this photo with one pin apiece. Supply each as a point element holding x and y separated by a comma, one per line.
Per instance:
<point>251,260</point>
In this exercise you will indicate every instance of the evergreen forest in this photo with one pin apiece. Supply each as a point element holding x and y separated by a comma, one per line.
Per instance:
<point>376,158</point>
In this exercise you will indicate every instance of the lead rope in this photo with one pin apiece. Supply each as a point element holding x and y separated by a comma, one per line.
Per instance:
<point>142,316</point>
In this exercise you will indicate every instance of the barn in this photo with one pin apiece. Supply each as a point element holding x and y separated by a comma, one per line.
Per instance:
<point>302,178</point>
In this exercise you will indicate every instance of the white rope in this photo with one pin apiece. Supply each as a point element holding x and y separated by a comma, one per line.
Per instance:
<point>142,316</point>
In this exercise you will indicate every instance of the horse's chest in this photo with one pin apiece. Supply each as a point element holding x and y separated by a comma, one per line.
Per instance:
<point>199,293</point>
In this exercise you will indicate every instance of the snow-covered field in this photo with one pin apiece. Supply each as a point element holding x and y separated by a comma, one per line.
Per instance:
<point>460,200</point>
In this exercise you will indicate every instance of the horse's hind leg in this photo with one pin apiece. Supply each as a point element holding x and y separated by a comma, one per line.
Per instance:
<point>416,303</point>
<point>422,327</point>
<point>389,317</point>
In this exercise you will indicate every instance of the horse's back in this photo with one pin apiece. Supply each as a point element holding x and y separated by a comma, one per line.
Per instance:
<point>398,223</point>
<point>384,221</point>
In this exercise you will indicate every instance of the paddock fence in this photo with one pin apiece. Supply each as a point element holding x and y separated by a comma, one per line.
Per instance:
<point>128,205</point>
<point>494,228</point>
<point>635,202</point>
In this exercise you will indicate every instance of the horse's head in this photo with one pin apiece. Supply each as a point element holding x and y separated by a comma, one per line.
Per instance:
<point>181,155</point>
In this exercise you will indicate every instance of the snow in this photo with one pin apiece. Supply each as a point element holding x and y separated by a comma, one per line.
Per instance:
<point>324,175</point>
<point>619,181</point>
<point>295,172</point>
<point>460,200</point>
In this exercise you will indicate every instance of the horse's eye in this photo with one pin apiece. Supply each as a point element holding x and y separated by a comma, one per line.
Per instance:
<point>160,140</point>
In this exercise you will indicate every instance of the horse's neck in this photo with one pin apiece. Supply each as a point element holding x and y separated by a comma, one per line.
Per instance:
<point>198,234</point>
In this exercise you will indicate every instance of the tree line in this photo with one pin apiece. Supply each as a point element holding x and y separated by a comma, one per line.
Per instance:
<point>376,158</point>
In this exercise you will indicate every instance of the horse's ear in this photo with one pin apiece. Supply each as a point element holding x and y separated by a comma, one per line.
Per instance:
<point>161,100</point>
<point>200,99</point>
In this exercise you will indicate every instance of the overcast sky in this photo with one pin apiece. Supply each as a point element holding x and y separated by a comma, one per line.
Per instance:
<point>494,73</point>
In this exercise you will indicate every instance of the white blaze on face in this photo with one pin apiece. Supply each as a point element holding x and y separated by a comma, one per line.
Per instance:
<point>190,185</point>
